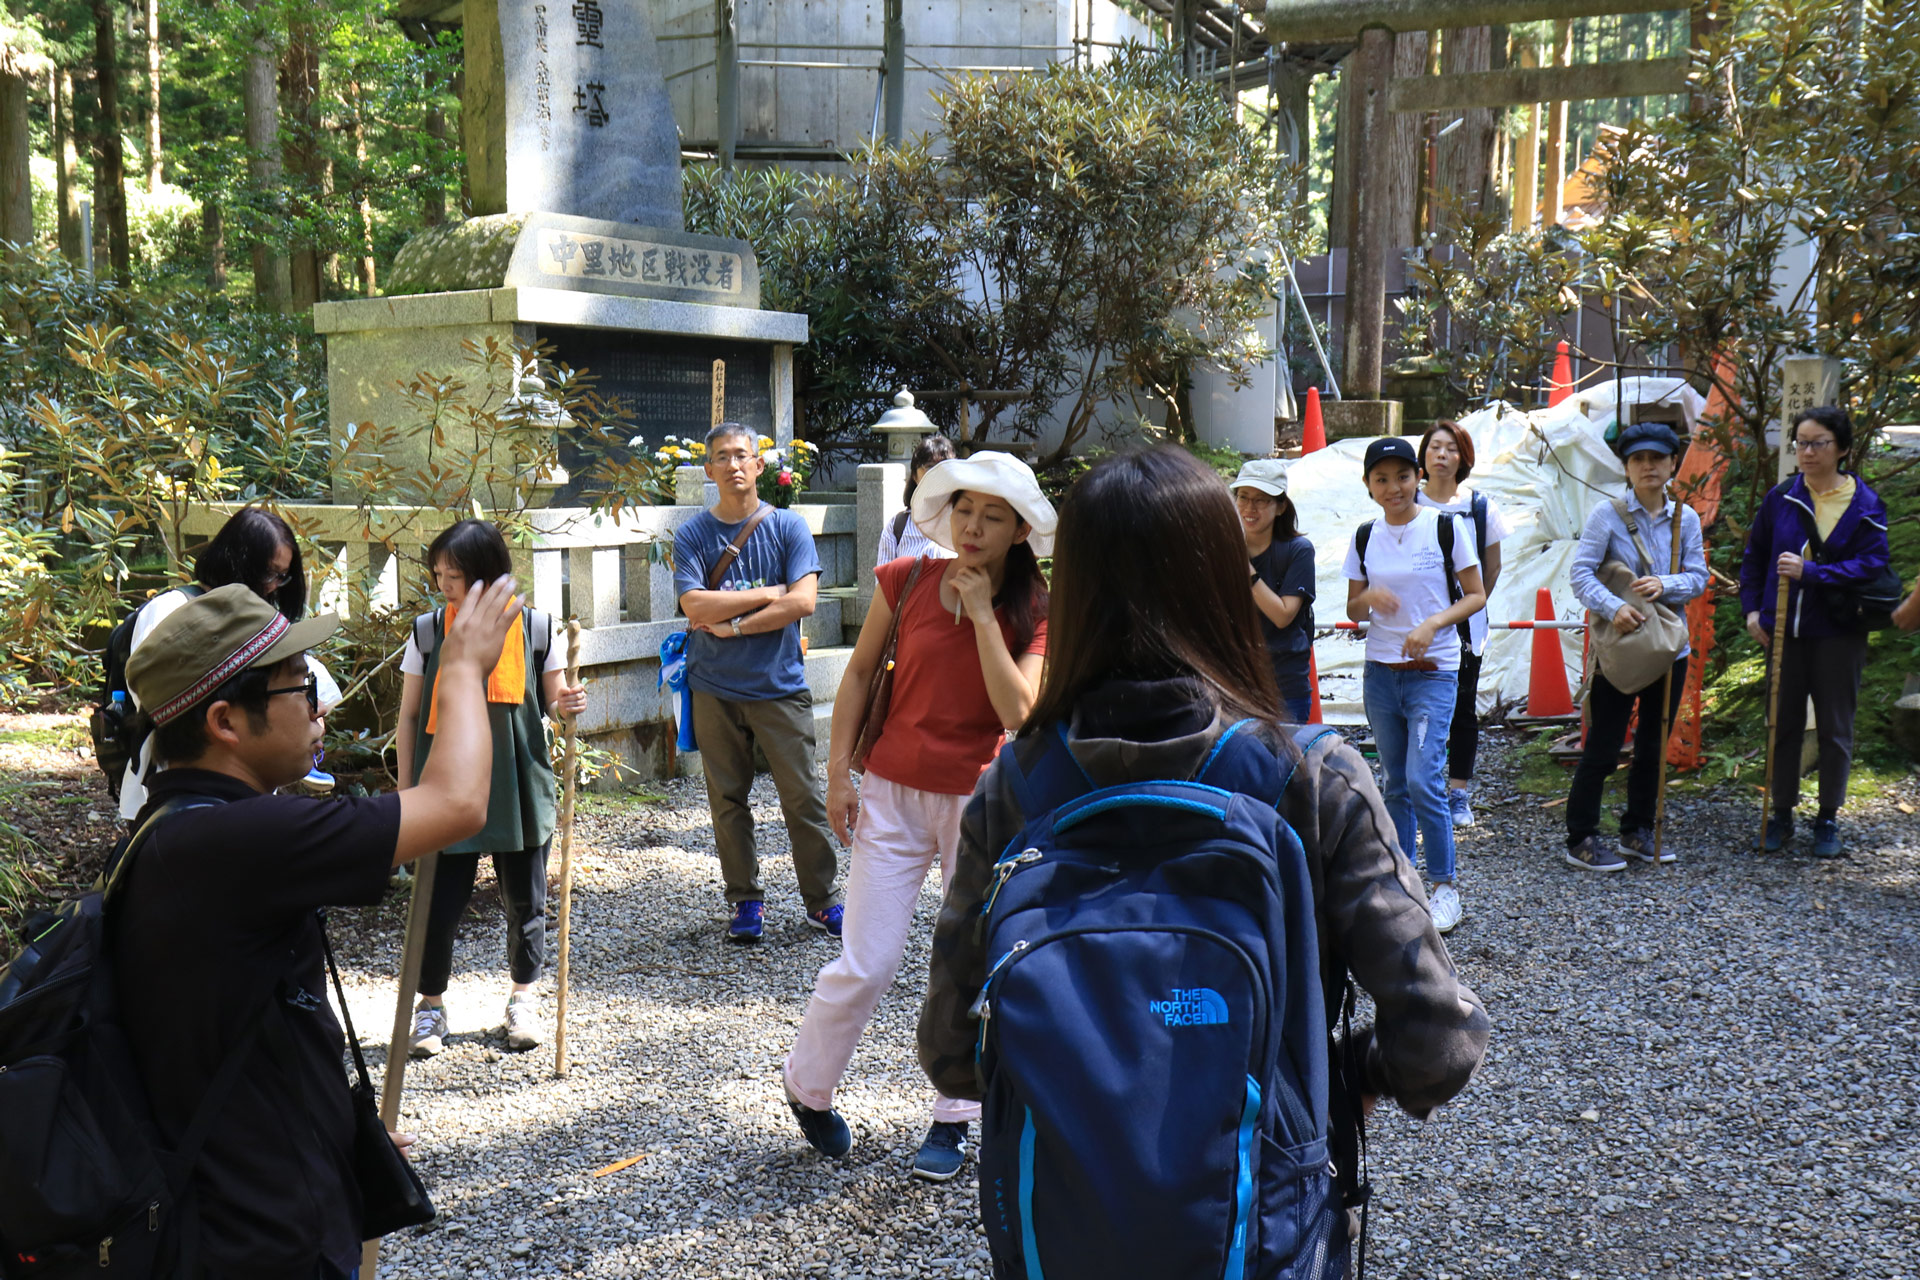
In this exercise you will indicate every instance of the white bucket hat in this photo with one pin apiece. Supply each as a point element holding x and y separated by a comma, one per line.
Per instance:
<point>991,472</point>
<point>1268,475</point>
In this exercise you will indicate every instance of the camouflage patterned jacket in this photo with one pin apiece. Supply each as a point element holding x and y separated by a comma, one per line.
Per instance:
<point>1430,1030</point>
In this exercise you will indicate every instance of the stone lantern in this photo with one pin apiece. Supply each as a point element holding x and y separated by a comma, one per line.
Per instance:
<point>904,426</point>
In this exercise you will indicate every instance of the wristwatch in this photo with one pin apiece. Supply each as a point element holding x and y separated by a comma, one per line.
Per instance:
<point>735,624</point>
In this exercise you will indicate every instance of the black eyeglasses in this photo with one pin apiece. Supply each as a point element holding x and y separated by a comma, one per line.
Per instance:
<point>311,688</point>
<point>274,581</point>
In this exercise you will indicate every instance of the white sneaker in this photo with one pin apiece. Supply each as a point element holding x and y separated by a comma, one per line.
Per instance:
<point>1444,904</point>
<point>1459,807</point>
<point>429,1031</point>
<point>524,1030</point>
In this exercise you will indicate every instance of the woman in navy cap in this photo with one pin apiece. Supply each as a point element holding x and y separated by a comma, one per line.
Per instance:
<point>1651,451</point>
<point>1413,576</point>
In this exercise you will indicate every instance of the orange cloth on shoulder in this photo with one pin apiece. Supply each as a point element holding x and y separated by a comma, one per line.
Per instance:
<point>507,682</point>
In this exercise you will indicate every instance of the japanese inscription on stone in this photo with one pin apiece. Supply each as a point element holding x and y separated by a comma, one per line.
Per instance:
<point>570,254</point>
<point>581,113</point>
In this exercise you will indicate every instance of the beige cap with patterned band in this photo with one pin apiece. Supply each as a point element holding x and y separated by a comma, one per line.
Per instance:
<point>209,640</point>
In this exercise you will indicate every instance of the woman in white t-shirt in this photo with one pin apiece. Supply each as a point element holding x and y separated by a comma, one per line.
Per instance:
<point>1446,460</point>
<point>900,536</point>
<point>254,547</point>
<point>1397,583</point>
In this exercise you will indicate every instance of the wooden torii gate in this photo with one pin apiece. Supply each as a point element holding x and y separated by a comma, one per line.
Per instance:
<point>1371,26</point>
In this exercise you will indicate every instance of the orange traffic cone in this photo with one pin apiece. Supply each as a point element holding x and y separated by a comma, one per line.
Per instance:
<point>1313,687</point>
<point>1561,385</point>
<point>1313,429</point>
<point>1547,693</point>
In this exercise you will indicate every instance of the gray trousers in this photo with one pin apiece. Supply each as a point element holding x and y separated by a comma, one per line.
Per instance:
<point>1827,670</point>
<point>727,731</point>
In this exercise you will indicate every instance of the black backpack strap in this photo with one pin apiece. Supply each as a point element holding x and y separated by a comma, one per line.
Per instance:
<point>1360,539</point>
<point>1480,519</point>
<point>113,878</point>
<point>1461,628</point>
<point>900,527</point>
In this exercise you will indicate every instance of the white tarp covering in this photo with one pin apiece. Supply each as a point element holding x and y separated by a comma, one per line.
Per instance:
<point>1545,469</point>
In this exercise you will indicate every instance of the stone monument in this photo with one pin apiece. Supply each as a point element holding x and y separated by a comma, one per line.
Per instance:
<point>577,241</point>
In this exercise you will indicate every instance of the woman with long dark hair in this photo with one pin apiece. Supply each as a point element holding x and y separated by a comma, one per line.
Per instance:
<point>1156,664</point>
<point>257,549</point>
<point>1825,532</point>
<point>971,639</point>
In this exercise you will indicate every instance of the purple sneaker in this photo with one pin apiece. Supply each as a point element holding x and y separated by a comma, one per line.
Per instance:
<point>828,918</point>
<point>745,925</point>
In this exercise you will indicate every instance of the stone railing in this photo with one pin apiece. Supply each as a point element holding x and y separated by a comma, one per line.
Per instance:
<point>614,574</point>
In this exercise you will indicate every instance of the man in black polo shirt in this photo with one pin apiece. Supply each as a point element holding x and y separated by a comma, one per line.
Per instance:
<point>218,923</point>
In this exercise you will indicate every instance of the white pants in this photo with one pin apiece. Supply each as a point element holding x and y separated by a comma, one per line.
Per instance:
<point>899,834</point>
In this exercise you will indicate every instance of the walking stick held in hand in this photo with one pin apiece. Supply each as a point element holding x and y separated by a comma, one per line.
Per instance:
<point>566,851</point>
<point>1666,701</point>
<point>419,906</point>
<point>1777,653</point>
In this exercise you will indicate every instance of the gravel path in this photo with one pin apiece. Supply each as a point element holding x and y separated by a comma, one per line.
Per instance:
<point>1707,1071</point>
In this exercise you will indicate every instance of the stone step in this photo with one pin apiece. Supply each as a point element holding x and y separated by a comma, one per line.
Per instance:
<point>825,665</point>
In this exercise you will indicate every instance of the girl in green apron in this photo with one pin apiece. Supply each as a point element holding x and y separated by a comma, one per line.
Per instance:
<point>530,675</point>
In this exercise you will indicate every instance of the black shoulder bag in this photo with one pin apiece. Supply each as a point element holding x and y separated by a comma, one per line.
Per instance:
<point>1862,606</point>
<point>392,1196</point>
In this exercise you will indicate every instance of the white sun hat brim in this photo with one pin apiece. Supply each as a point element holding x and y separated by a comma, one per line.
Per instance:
<point>989,472</point>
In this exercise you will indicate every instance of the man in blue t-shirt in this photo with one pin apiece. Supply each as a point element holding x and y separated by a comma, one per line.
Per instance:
<point>749,679</point>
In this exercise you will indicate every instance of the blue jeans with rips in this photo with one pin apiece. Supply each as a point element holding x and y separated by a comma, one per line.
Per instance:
<point>1410,713</point>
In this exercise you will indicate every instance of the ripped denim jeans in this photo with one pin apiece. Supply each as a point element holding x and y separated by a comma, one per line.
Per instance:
<point>1411,713</point>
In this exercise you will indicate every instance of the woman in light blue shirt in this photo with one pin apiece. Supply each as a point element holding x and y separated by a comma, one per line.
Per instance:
<point>1651,452</point>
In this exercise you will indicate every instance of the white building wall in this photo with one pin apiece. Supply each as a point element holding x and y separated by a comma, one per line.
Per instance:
<point>834,108</point>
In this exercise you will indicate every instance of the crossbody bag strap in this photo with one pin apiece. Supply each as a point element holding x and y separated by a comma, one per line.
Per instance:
<point>1673,536</point>
<point>346,1015</point>
<point>731,552</point>
<point>1633,532</point>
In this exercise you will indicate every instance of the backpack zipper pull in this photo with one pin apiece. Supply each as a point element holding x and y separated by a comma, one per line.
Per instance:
<point>104,1246</point>
<point>153,1216</point>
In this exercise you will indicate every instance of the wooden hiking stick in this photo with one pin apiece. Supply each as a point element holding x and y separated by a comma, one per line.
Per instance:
<point>1777,645</point>
<point>566,851</point>
<point>419,906</point>
<point>1666,700</point>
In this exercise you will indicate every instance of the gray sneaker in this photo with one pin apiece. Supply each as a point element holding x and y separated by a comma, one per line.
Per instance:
<point>1459,807</point>
<point>524,1029</point>
<point>429,1031</point>
<point>1638,845</point>
<point>1593,854</point>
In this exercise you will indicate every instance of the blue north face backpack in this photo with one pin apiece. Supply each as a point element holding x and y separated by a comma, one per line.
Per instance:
<point>1153,1034</point>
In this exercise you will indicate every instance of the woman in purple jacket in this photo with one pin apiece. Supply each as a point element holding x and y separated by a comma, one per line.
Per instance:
<point>1820,657</point>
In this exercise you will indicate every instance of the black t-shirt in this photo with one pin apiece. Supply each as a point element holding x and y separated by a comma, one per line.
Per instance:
<point>1287,569</point>
<point>218,910</point>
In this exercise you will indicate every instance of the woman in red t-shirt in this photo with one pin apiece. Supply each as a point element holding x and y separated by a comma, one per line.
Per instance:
<point>966,669</point>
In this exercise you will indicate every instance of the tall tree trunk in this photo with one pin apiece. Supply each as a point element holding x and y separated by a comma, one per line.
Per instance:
<point>363,207</point>
<point>66,167</point>
<point>1466,159</point>
<point>213,231</point>
<point>154,167</point>
<point>110,174</point>
<point>16,155</point>
<point>260,99</point>
<point>433,201</point>
<point>301,75</point>
<point>1551,207</point>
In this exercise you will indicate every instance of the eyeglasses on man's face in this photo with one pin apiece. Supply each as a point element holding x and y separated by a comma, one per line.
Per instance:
<point>1814,446</point>
<point>310,687</point>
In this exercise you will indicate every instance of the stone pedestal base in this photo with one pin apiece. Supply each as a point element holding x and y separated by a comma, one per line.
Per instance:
<point>1348,418</point>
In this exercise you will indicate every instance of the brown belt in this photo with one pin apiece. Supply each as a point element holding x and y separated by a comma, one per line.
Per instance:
<point>1418,664</point>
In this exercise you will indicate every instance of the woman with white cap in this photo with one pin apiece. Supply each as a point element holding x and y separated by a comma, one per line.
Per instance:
<point>1281,561</point>
<point>968,651</point>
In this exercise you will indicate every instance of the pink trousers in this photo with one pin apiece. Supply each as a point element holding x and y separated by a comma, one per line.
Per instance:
<point>900,833</point>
